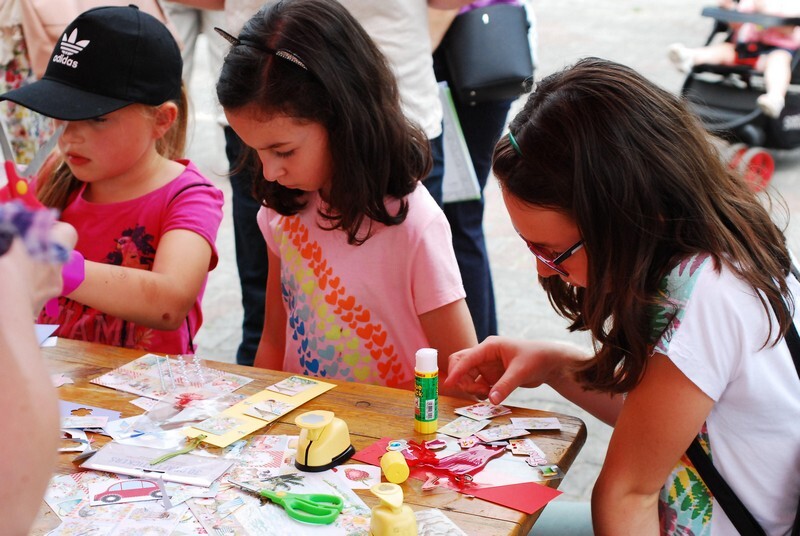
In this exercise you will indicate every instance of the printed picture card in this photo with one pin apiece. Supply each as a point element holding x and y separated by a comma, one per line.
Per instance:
<point>482,410</point>
<point>293,385</point>
<point>498,433</point>
<point>463,427</point>
<point>525,447</point>
<point>536,423</point>
<point>269,409</point>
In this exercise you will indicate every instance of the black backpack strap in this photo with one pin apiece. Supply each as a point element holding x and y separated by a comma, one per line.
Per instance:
<point>740,516</point>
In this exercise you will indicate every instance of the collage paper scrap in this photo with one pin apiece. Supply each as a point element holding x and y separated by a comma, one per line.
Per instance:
<point>239,421</point>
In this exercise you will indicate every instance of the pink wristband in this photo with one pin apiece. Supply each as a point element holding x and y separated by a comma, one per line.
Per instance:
<point>73,272</point>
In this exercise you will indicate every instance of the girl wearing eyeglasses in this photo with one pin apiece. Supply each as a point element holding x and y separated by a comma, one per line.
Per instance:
<point>645,239</point>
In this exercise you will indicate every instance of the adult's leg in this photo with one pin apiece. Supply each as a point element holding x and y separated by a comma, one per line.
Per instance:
<point>251,250</point>
<point>435,179</point>
<point>482,125</point>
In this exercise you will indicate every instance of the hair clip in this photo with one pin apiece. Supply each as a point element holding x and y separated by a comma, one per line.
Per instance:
<point>514,144</point>
<point>281,53</point>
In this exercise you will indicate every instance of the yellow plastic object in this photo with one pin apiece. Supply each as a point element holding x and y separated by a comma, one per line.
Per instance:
<point>394,467</point>
<point>324,441</point>
<point>426,391</point>
<point>391,517</point>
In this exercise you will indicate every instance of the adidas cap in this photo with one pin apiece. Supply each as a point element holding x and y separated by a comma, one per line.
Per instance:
<point>106,59</point>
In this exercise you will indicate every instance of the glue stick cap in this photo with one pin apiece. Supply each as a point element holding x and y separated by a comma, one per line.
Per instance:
<point>427,360</point>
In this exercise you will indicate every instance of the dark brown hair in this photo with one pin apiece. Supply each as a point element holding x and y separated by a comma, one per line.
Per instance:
<point>344,84</point>
<point>639,175</point>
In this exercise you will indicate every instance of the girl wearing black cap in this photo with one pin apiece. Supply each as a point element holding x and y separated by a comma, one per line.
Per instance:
<point>146,222</point>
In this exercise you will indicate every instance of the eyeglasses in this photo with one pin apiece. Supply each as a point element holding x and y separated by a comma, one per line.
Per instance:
<point>550,259</point>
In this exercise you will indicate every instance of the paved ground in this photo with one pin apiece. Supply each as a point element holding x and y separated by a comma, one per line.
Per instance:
<point>634,32</point>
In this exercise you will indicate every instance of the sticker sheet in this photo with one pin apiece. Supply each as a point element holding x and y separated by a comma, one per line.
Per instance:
<point>154,376</point>
<point>483,410</point>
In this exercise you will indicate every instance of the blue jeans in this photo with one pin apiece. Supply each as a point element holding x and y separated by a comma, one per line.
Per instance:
<point>434,182</point>
<point>251,250</point>
<point>482,125</point>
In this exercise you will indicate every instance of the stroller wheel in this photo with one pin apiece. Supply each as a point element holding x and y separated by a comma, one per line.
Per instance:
<point>732,154</point>
<point>757,166</point>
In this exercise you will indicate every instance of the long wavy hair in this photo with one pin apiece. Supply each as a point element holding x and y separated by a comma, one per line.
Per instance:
<point>643,181</point>
<point>344,84</point>
<point>56,188</point>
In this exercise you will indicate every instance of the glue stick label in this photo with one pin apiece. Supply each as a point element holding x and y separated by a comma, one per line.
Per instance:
<point>426,392</point>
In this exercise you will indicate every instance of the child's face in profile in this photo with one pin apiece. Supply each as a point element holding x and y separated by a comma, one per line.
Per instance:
<point>116,146</point>
<point>293,152</point>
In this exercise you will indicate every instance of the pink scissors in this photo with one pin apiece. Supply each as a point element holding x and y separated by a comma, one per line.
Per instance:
<point>20,183</point>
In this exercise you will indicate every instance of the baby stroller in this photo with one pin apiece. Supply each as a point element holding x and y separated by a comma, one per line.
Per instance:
<point>724,97</point>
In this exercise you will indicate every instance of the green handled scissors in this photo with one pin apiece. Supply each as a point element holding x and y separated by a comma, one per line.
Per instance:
<point>317,508</point>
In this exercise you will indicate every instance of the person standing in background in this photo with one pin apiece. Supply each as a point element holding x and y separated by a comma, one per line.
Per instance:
<point>482,123</point>
<point>26,128</point>
<point>400,29</point>
<point>190,23</point>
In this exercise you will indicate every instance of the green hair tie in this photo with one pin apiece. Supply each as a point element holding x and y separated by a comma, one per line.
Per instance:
<point>514,143</point>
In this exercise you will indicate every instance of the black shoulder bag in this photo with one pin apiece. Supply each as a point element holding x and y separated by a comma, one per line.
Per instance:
<point>740,516</point>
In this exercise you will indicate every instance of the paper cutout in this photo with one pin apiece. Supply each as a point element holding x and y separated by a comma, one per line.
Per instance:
<point>498,433</point>
<point>60,379</point>
<point>292,385</point>
<point>67,409</point>
<point>463,427</point>
<point>536,423</point>
<point>43,332</point>
<point>359,476</point>
<point>436,523</point>
<point>125,491</point>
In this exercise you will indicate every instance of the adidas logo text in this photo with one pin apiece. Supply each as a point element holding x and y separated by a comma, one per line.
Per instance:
<point>70,46</point>
<point>69,62</point>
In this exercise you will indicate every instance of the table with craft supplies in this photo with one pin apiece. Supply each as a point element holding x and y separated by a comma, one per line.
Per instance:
<point>375,417</point>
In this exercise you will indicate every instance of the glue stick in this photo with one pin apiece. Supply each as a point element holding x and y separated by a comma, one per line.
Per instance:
<point>426,391</point>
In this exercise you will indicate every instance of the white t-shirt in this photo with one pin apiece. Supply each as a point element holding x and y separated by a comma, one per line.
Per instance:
<point>716,339</point>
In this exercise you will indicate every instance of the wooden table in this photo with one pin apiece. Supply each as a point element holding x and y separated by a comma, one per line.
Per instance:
<point>371,412</point>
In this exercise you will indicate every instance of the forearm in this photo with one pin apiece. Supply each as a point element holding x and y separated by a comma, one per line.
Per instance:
<point>152,299</point>
<point>448,4</point>
<point>619,510</point>
<point>29,403</point>
<point>269,354</point>
<point>203,4</point>
<point>604,406</point>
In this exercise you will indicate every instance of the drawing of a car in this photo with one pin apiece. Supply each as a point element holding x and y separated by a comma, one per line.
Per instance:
<point>128,489</point>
